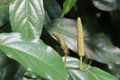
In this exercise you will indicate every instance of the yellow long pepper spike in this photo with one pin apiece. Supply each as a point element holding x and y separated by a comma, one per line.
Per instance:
<point>80,41</point>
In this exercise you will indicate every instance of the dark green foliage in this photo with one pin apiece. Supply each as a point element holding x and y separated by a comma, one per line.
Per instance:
<point>24,55</point>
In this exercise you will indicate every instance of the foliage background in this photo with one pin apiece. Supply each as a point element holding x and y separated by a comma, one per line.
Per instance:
<point>101,21</point>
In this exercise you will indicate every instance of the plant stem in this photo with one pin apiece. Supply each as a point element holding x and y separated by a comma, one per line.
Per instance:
<point>65,60</point>
<point>81,66</point>
<point>93,75</point>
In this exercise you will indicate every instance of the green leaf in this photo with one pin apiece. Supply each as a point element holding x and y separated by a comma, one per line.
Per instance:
<point>91,73</point>
<point>53,8</point>
<point>7,72</point>
<point>31,74</point>
<point>10,37</point>
<point>4,11</point>
<point>4,60</point>
<point>19,73</point>
<point>67,5</point>
<point>100,48</point>
<point>27,17</point>
<point>106,5</point>
<point>10,71</point>
<point>34,56</point>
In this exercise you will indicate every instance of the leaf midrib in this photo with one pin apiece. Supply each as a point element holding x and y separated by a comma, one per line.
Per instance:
<point>26,7</point>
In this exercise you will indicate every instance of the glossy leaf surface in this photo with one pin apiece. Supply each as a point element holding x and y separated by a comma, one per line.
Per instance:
<point>27,17</point>
<point>34,56</point>
<point>91,73</point>
<point>102,49</point>
<point>67,5</point>
<point>106,5</point>
<point>4,11</point>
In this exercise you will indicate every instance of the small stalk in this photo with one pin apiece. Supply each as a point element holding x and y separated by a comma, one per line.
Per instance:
<point>81,67</point>
<point>63,45</point>
<point>93,75</point>
<point>65,60</point>
<point>80,42</point>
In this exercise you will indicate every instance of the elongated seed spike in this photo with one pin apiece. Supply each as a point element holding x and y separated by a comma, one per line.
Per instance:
<point>62,42</point>
<point>63,46</point>
<point>80,41</point>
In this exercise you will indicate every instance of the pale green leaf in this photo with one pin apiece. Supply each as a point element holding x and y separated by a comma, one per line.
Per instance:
<point>34,56</point>
<point>27,17</point>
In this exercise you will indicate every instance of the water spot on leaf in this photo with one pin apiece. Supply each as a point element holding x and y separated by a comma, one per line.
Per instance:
<point>49,49</point>
<point>110,66</point>
<point>29,69</point>
<point>36,40</point>
<point>9,55</point>
<point>49,77</point>
<point>118,63</point>
<point>33,76</point>
<point>98,15</point>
